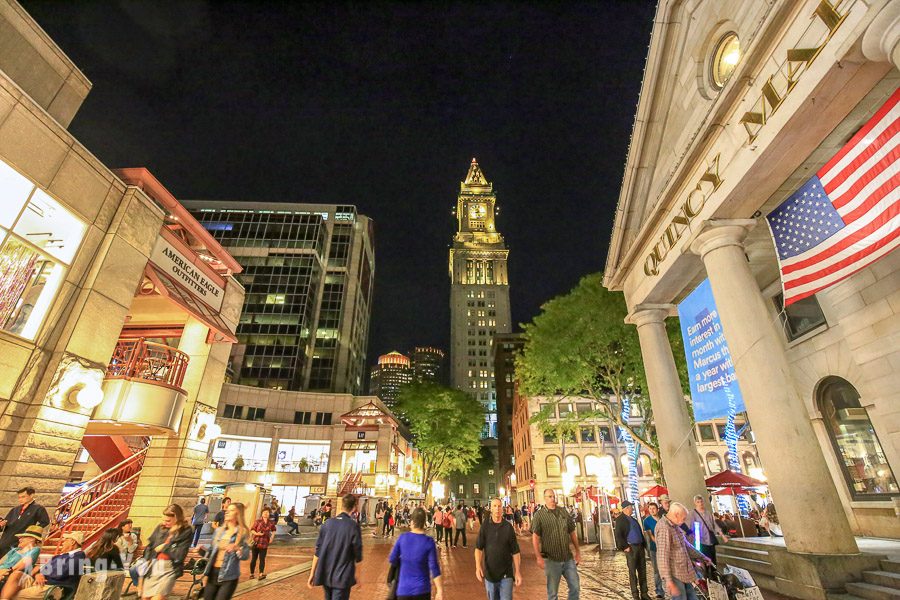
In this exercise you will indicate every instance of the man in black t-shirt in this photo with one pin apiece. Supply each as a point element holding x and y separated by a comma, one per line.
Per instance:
<point>219,519</point>
<point>497,556</point>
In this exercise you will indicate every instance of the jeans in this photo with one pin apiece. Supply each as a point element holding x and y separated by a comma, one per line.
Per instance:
<point>637,570</point>
<point>340,593</point>
<point>686,591</point>
<point>439,533</point>
<point>554,570</point>
<point>499,590</point>
<point>458,533</point>
<point>197,530</point>
<point>293,527</point>
<point>258,553</point>
<point>657,581</point>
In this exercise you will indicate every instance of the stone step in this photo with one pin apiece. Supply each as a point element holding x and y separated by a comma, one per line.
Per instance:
<point>882,578</point>
<point>873,592</point>
<point>753,565</point>
<point>743,551</point>
<point>891,565</point>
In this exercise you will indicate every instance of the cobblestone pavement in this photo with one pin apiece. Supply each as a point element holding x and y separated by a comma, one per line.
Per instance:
<point>602,575</point>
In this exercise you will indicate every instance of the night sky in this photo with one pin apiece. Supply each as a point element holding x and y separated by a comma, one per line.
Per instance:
<point>382,106</point>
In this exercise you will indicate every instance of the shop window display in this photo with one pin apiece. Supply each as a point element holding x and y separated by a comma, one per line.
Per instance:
<point>38,241</point>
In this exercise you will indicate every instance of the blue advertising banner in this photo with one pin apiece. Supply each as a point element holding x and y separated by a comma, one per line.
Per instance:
<point>714,386</point>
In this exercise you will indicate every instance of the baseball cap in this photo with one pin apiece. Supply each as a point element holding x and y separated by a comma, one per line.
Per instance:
<point>627,503</point>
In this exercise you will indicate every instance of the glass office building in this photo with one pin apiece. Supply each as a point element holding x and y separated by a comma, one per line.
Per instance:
<point>308,272</point>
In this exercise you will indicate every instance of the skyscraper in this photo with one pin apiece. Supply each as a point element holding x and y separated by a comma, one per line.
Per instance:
<point>428,364</point>
<point>392,372</point>
<point>479,293</point>
<point>506,347</point>
<point>308,272</point>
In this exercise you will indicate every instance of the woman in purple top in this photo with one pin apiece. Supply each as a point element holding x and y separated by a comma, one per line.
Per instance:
<point>415,555</point>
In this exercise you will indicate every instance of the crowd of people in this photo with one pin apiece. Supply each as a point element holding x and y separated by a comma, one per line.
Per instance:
<point>673,538</point>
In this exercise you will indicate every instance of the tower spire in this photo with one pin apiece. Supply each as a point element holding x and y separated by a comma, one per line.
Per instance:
<point>475,176</point>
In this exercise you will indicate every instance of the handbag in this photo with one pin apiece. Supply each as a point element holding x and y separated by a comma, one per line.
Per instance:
<point>393,580</point>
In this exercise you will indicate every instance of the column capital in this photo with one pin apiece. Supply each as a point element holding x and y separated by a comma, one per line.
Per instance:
<point>646,314</point>
<point>881,41</point>
<point>719,233</point>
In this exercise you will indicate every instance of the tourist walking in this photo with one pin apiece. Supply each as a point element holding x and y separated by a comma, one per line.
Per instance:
<point>414,563</point>
<point>497,555</point>
<point>701,521</point>
<point>230,545</point>
<point>674,554</point>
<point>630,540</point>
<point>438,524</point>
<point>21,517</point>
<point>166,550</point>
<point>263,532</point>
<point>198,519</point>
<point>338,549</point>
<point>459,518</point>
<point>128,542</point>
<point>63,569</point>
<point>553,538</point>
<point>219,519</point>
<point>650,522</point>
<point>449,522</point>
<point>387,520</point>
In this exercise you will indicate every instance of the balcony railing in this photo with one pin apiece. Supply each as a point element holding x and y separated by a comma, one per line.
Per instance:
<point>140,360</point>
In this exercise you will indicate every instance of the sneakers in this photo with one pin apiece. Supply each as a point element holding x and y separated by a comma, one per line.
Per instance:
<point>252,576</point>
<point>262,576</point>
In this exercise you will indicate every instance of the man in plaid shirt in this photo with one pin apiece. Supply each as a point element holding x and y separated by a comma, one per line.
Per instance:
<point>674,555</point>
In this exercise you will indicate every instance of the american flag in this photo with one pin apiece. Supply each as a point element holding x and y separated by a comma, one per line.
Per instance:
<point>848,215</point>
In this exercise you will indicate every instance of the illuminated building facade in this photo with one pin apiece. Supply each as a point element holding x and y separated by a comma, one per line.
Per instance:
<point>479,293</point>
<point>117,312</point>
<point>308,272</point>
<point>506,347</point>
<point>780,96</point>
<point>392,372</point>
<point>427,364</point>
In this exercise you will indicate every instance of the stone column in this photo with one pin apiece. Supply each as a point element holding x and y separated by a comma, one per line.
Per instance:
<point>881,41</point>
<point>809,507</point>
<point>677,447</point>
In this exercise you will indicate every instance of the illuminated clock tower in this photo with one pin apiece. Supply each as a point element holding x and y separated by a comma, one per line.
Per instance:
<point>479,293</point>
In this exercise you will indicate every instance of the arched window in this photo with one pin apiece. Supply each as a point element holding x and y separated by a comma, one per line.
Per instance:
<point>626,464</point>
<point>858,450</point>
<point>643,466</point>
<point>552,466</point>
<point>749,462</point>
<point>573,465</point>
<point>592,465</point>
<point>713,463</point>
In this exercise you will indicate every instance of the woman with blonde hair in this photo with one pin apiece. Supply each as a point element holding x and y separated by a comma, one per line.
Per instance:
<point>166,550</point>
<point>229,547</point>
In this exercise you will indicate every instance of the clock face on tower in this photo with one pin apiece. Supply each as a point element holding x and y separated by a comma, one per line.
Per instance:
<point>477,211</point>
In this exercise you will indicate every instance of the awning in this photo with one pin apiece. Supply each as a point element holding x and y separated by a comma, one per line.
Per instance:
<point>172,290</point>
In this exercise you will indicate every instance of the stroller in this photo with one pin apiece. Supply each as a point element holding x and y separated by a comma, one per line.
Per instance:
<point>732,584</point>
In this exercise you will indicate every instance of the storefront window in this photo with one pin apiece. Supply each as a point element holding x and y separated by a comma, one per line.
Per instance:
<point>713,463</point>
<point>291,496</point>
<point>38,240</point>
<point>858,450</point>
<point>241,455</point>
<point>302,457</point>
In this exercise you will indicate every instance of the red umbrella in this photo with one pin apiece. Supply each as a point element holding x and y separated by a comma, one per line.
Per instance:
<point>732,491</point>
<point>655,492</point>
<point>729,478</point>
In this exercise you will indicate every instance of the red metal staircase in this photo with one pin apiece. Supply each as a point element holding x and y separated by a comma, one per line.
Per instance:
<point>99,503</point>
<point>349,483</point>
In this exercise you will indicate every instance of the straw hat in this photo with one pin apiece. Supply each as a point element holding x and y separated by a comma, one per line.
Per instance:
<point>34,531</point>
<point>76,536</point>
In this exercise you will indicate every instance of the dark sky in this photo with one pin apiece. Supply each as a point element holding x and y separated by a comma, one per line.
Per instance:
<point>382,106</point>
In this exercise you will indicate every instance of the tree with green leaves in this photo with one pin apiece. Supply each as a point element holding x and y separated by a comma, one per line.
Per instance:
<point>446,426</point>
<point>580,346</point>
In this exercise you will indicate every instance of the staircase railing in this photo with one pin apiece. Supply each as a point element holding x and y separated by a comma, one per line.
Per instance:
<point>99,503</point>
<point>349,483</point>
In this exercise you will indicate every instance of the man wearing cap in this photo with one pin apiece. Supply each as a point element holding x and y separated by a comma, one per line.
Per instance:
<point>630,540</point>
<point>20,518</point>
<point>64,569</point>
<point>664,504</point>
<point>20,559</point>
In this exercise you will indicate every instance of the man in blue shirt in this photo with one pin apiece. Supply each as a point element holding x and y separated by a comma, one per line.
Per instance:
<point>630,540</point>
<point>650,522</point>
<point>64,569</point>
<point>338,549</point>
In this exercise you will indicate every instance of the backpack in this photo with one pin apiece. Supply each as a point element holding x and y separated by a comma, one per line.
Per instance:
<point>448,520</point>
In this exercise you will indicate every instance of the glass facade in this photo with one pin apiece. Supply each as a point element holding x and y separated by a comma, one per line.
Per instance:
<point>305,321</point>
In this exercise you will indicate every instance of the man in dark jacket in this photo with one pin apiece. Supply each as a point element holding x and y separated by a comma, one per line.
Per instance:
<point>20,518</point>
<point>338,549</point>
<point>630,540</point>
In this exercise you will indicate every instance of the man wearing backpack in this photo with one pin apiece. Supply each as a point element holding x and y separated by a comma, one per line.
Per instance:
<point>460,522</point>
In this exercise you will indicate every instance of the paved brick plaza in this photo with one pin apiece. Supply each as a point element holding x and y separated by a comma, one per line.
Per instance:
<point>602,575</point>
